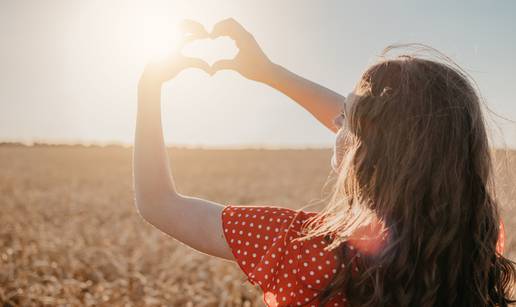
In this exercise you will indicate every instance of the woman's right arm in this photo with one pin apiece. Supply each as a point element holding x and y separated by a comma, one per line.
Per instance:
<point>252,63</point>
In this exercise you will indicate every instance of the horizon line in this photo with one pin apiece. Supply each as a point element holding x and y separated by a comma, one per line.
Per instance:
<point>174,145</point>
<point>39,143</point>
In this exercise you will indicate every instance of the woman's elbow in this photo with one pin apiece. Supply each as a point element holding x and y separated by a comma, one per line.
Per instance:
<point>146,206</point>
<point>153,206</point>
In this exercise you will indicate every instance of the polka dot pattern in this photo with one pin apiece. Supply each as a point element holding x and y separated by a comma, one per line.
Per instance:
<point>290,273</point>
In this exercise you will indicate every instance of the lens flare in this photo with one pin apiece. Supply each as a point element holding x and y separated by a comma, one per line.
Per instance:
<point>160,37</point>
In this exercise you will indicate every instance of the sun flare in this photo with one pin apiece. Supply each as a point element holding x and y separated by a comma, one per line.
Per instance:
<point>160,37</point>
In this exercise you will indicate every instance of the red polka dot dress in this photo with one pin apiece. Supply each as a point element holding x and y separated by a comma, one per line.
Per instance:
<point>290,273</point>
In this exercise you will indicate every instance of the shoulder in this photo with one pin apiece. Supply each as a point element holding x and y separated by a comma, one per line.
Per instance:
<point>264,242</point>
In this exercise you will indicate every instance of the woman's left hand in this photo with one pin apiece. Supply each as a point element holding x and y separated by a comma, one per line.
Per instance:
<point>159,71</point>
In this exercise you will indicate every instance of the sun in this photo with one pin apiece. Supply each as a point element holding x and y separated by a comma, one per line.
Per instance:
<point>148,33</point>
<point>161,36</point>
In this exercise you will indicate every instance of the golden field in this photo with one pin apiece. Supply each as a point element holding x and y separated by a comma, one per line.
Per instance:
<point>70,233</point>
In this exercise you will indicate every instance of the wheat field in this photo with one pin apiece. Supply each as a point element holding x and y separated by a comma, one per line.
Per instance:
<point>70,234</point>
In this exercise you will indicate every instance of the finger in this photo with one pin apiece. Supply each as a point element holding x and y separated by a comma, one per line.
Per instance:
<point>189,26</point>
<point>196,63</point>
<point>185,40</point>
<point>223,65</point>
<point>190,38</point>
<point>191,30</point>
<point>227,27</point>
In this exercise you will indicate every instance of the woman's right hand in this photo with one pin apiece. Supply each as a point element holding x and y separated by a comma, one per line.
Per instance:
<point>251,62</point>
<point>158,71</point>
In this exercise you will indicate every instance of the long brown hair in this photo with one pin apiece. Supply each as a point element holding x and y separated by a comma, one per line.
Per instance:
<point>417,159</point>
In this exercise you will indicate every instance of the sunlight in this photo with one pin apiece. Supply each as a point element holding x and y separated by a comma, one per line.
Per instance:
<point>160,37</point>
<point>147,33</point>
<point>211,50</point>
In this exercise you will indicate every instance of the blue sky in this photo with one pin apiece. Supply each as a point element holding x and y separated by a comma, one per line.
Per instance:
<point>70,68</point>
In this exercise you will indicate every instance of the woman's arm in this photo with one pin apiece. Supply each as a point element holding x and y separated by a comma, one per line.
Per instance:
<point>252,63</point>
<point>323,103</point>
<point>195,222</point>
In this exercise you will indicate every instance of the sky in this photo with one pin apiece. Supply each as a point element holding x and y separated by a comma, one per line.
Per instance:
<point>69,68</point>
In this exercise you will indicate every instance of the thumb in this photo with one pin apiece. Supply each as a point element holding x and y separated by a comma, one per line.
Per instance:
<point>197,63</point>
<point>223,64</point>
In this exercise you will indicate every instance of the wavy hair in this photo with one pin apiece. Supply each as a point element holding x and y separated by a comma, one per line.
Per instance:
<point>416,159</point>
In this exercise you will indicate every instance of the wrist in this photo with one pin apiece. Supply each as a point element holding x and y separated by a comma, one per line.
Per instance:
<point>149,92</point>
<point>274,73</point>
<point>146,84</point>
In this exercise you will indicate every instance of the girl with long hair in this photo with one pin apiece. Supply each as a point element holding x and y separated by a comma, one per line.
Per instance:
<point>412,219</point>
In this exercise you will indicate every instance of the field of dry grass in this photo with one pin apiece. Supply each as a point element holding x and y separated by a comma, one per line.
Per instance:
<point>70,233</point>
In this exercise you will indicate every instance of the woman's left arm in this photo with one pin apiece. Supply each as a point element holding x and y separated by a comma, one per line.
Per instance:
<point>195,222</point>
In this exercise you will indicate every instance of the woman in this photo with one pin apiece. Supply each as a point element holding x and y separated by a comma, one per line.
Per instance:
<point>412,220</point>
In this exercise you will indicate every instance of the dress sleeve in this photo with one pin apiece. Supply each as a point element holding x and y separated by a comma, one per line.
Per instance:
<point>256,234</point>
<point>261,240</point>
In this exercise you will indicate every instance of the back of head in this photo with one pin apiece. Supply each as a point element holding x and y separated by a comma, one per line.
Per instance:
<point>417,157</point>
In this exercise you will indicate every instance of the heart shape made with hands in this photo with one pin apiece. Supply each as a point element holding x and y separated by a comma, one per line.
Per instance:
<point>210,49</point>
<point>221,45</point>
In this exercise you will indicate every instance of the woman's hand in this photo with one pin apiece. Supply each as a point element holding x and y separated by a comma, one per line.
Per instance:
<point>251,62</point>
<point>157,72</point>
